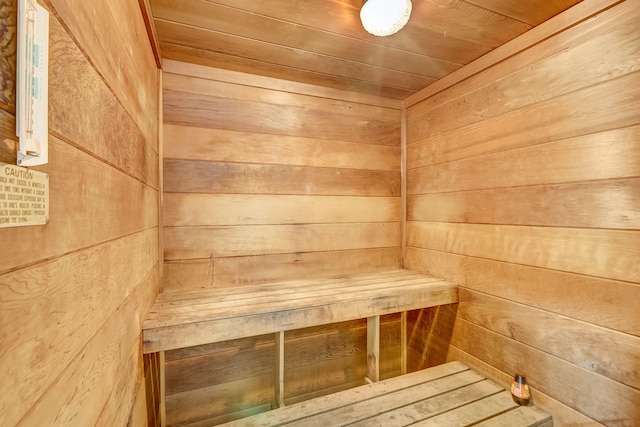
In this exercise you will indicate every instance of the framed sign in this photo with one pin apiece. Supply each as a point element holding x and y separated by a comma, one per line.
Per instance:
<point>24,196</point>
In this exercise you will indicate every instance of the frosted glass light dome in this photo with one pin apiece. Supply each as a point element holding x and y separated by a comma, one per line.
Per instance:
<point>385,17</point>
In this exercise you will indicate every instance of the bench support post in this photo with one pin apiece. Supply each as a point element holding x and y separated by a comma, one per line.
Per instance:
<point>280,369</point>
<point>403,343</point>
<point>373,348</point>
<point>163,394</point>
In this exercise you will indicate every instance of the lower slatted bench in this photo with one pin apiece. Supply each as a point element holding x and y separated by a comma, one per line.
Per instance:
<point>191,318</point>
<point>448,395</point>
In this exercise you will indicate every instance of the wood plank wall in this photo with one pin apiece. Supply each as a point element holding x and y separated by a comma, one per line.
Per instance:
<point>73,293</point>
<point>270,180</point>
<point>524,186</point>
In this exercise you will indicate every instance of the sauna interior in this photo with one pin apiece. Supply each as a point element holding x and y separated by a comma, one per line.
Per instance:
<point>200,144</point>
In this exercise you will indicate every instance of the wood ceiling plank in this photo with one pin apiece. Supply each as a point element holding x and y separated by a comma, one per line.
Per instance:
<point>324,43</point>
<point>253,26</point>
<point>343,17</point>
<point>465,21</point>
<point>533,12</point>
<point>294,58</point>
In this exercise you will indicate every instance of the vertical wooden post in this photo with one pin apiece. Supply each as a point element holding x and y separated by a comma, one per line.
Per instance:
<point>163,406</point>
<point>403,183</point>
<point>403,343</point>
<point>160,177</point>
<point>373,348</point>
<point>280,369</point>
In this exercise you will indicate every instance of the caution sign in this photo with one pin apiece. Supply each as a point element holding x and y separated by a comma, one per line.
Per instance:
<point>24,196</point>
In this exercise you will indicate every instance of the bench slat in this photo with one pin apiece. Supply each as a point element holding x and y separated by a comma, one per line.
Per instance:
<point>218,299</point>
<point>427,406</point>
<point>473,412</point>
<point>520,417</point>
<point>445,395</point>
<point>174,315</point>
<point>349,397</point>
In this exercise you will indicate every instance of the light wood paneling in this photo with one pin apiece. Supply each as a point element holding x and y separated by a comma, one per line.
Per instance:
<point>70,316</point>
<point>602,302</point>
<point>227,209</point>
<point>233,271</point>
<point>556,335</point>
<point>188,176</point>
<point>582,204</point>
<point>80,288</point>
<point>616,151</point>
<point>289,166</point>
<point>534,71</point>
<point>566,116</point>
<point>595,252</point>
<point>79,89</point>
<point>203,110</point>
<point>522,187</point>
<point>219,242</point>
<point>221,145</point>
<point>105,200</point>
<point>129,67</point>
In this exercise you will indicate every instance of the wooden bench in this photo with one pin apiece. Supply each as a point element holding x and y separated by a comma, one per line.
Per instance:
<point>449,395</point>
<point>190,318</point>
<point>184,319</point>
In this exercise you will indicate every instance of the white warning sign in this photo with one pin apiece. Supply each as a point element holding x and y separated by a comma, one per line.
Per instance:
<point>24,196</point>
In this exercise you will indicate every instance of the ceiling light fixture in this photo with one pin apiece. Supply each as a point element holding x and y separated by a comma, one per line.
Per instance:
<point>385,17</point>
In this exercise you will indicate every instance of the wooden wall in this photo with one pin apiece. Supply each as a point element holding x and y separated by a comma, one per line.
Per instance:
<point>271,180</point>
<point>73,293</point>
<point>524,186</point>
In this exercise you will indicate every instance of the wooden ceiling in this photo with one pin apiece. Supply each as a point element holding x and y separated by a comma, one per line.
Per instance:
<point>322,42</point>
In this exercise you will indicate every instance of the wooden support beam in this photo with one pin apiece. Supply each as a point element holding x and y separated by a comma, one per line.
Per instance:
<point>373,348</point>
<point>280,369</point>
<point>163,393</point>
<point>403,342</point>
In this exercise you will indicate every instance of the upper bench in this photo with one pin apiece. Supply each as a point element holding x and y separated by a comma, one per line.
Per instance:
<point>189,318</point>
